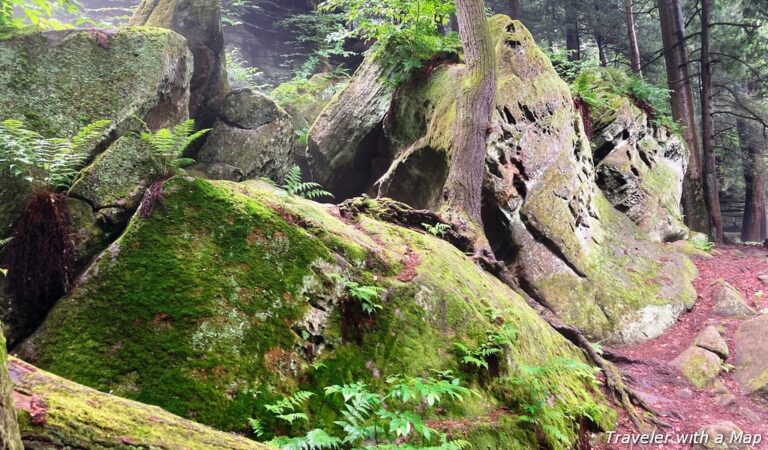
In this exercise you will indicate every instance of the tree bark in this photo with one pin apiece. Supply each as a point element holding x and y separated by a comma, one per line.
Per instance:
<point>711,185</point>
<point>600,41</point>
<point>634,50</point>
<point>683,111</point>
<point>753,227</point>
<point>464,185</point>
<point>572,44</point>
<point>515,7</point>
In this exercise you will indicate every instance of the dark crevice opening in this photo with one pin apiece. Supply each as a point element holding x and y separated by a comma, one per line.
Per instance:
<point>550,245</point>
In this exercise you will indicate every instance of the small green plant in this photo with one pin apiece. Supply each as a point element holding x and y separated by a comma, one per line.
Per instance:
<point>50,163</point>
<point>437,229</point>
<point>495,342</point>
<point>294,185</point>
<point>702,242</point>
<point>35,13</point>
<point>168,145</point>
<point>371,420</point>
<point>286,408</point>
<point>366,295</point>
<point>240,73</point>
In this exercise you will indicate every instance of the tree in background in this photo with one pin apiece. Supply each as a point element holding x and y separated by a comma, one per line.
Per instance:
<point>753,144</point>
<point>464,186</point>
<point>634,50</point>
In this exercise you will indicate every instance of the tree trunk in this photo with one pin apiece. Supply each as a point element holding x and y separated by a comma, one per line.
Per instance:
<point>10,439</point>
<point>600,41</point>
<point>634,50</point>
<point>683,111</point>
<point>711,187</point>
<point>464,185</point>
<point>753,228</point>
<point>572,44</point>
<point>515,7</point>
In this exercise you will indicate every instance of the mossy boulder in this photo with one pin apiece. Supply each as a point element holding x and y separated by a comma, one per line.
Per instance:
<point>10,439</point>
<point>59,81</point>
<point>751,348</point>
<point>730,303</point>
<point>252,138</point>
<point>222,301</point>
<point>699,366</point>
<point>640,165</point>
<point>57,413</point>
<point>544,214</point>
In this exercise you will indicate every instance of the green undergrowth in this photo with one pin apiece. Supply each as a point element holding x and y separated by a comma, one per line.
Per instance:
<point>201,309</point>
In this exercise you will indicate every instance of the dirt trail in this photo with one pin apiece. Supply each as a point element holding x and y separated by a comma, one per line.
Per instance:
<point>685,408</point>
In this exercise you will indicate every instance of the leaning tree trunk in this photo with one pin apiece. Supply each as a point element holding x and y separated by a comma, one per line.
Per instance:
<point>9,427</point>
<point>515,8</point>
<point>572,44</point>
<point>683,110</point>
<point>711,187</point>
<point>464,185</point>
<point>634,50</point>
<point>752,144</point>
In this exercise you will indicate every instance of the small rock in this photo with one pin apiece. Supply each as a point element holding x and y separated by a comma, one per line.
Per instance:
<point>685,393</point>
<point>763,277</point>
<point>699,366</point>
<point>710,339</point>
<point>730,303</point>
<point>719,437</point>
<point>726,400</point>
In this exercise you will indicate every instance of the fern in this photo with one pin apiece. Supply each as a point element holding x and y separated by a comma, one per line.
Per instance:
<point>367,296</point>
<point>50,163</point>
<point>701,242</point>
<point>294,185</point>
<point>167,146</point>
<point>494,344</point>
<point>437,229</point>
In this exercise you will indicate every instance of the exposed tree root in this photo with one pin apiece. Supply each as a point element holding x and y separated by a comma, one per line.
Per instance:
<point>399,213</point>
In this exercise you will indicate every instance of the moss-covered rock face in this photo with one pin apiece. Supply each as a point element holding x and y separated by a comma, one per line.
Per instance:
<point>9,427</point>
<point>219,304</point>
<point>59,81</point>
<point>252,137</point>
<point>640,166</point>
<point>544,213</point>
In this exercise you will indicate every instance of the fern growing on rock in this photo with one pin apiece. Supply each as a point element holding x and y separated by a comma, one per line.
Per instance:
<point>40,256</point>
<point>294,185</point>
<point>166,152</point>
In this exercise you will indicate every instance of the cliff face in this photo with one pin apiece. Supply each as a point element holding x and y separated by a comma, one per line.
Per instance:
<point>546,216</point>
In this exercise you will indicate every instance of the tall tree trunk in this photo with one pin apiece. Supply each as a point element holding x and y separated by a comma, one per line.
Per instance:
<point>600,41</point>
<point>572,43</point>
<point>634,50</point>
<point>515,7</point>
<point>464,185</point>
<point>752,142</point>
<point>711,185</point>
<point>683,111</point>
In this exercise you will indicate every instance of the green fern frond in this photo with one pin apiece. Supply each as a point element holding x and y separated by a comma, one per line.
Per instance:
<point>294,185</point>
<point>167,146</point>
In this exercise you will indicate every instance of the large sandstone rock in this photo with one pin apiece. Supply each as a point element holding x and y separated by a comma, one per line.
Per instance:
<point>640,166</point>
<point>59,81</point>
<point>723,435</point>
<point>57,413</point>
<point>199,21</point>
<point>544,214</point>
<point>221,302</point>
<point>10,439</point>
<point>253,137</point>
<point>751,356</point>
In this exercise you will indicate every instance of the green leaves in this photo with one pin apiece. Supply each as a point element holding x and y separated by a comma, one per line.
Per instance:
<point>437,229</point>
<point>51,163</point>
<point>495,341</point>
<point>36,13</point>
<point>294,185</point>
<point>367,296</point>
<point>167,146</point>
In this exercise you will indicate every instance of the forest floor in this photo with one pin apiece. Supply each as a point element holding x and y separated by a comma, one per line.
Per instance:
<point>685,408</point>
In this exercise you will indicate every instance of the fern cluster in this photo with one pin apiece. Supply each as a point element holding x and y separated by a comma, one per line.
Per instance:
<point>437,229</point>
<point>167,146</point>
<point>495,342</point>
<point>366,295</point>
<point>701,242</point>
<point>388,420</point>
<point>50,163</point>
<point>294,185</point>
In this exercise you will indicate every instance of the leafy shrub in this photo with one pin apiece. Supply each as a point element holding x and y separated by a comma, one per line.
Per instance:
<point>368,417</point>
<point>404,33</point>
<point>240,73</point>
<point>36,13</point>
<point>294,185</point>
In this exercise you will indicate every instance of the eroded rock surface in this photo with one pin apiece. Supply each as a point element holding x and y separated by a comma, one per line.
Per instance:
<point>751,361</point>
<point>10,439</point>
<point>545,215</point>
